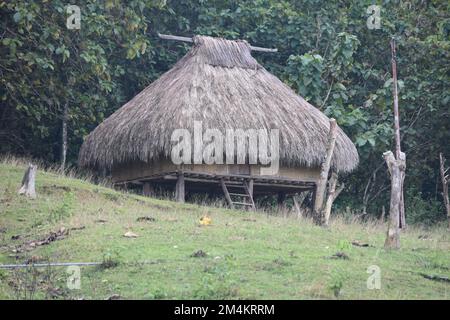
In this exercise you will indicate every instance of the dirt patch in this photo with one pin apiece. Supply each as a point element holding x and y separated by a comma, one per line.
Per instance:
<point>339,255</point>
<point>199,254</point>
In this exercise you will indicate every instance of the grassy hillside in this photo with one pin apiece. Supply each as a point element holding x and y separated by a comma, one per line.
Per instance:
<point>247,255</point>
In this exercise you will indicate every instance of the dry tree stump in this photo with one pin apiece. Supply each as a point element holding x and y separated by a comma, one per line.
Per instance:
<point>396,170</point>
<point>28,182</point>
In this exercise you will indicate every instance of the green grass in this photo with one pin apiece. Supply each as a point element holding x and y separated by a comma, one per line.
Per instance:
<point>249,255</point>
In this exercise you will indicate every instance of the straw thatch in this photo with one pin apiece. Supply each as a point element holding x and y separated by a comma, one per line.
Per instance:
<point>220,83</point>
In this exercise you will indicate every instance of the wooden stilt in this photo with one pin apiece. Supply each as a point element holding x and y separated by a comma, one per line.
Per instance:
<point>282,202</point>
<point>250,187</point>
<point>147,189</point>
<point>179,188</point>
<point>297,206</point>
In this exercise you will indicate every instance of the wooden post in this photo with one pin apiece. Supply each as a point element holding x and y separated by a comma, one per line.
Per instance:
<point>64,143</point>
<point>332,195</point>
<point>147,189</point>
<point>281,200</point>
<point>325,168</point>
<point>444,180</point>
<point>28,182</point>
<point>395,167</point>
<point>179,188</point>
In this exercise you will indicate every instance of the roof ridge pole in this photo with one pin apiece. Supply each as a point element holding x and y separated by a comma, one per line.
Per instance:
<point>190,40</point>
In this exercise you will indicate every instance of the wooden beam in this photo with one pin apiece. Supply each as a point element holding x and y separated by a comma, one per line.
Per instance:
<point>187,39</point>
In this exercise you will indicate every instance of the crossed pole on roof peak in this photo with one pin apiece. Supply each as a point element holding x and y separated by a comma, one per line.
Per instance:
<point>187,39</point>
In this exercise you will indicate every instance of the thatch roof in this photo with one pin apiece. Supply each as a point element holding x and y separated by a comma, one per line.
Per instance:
<point>219,83</point>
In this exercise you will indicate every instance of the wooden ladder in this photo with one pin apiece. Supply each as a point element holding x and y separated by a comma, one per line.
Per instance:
<point>235,199</point>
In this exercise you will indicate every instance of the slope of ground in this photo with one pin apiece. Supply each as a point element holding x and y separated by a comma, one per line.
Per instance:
<point>241,255</point>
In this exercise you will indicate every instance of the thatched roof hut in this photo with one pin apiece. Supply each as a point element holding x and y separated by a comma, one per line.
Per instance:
<point>219,83</point>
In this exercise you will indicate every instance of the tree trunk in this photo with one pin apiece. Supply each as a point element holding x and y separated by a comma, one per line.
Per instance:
<point>395,168</point>
<point>28,182</point>
<point>325,168</point>
<point>444,180</point>
<point>64,144</point>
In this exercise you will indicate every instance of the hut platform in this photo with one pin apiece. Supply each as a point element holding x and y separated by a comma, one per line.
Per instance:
<point>197,181</point>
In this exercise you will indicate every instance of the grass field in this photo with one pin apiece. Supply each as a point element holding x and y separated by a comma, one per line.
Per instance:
<point>243,255</point>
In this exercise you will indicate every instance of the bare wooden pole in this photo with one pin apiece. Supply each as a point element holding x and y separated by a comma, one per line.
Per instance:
<point>187,39</point>
<point>250,187</point>
<point>397,132</point>
<point>28,182</point>
<point>64,143</point>
<point>444,180</point>
<point>325,168</point>
<point>333,193</point>
<point>395,93</point>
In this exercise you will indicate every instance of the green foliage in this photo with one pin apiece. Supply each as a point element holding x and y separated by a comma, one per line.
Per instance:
<point>344,245</point>
<point>423,211</point>
<point>157,264</point>
<point>326,53</point>
<point>216,282</point>
<point>111,259</point>
<point>65,209</point>
<point>305,75</point>
<point>336,282</point>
